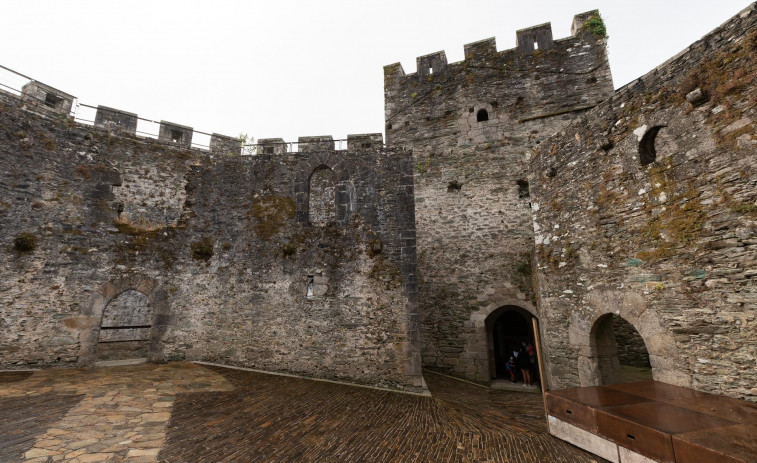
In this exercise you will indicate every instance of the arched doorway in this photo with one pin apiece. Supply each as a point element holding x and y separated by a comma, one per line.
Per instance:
<point>507,329</point>
<point>125,327</point>
<point>619,350</point>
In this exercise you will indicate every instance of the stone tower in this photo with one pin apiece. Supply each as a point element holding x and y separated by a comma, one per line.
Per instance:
<point>470,125</point>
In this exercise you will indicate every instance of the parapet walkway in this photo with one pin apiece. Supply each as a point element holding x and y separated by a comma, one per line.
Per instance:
<point>182,412</point>
<point>651,421</point>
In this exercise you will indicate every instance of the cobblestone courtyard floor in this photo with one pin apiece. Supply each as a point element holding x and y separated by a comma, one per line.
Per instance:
<point>181,412</point>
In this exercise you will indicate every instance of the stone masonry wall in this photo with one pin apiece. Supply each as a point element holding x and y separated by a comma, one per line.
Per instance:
<point>472,207</point>
<point>221,247</point>
<point>646,207</point>
<point>631,348</point>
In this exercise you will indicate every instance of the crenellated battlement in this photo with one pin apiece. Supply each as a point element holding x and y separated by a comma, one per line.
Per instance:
<point>528,40</point>
<point>484,47</point>
<point>36,93</point>
<point>116,119</point>
<point>473,100</point>
<point>535,38</point>
<point>431,63</point>
<point>310,144</point>
<point>46,100</point>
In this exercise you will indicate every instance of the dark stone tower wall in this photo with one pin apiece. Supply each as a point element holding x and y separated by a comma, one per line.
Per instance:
<point>475,234</point>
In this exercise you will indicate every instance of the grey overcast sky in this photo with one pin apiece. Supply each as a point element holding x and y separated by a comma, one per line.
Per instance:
<point>289,68</point>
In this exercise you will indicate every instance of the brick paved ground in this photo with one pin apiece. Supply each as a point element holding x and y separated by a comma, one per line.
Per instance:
<point>218,414</point>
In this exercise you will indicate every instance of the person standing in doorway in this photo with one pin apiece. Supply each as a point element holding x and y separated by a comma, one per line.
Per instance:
<point>524,363</point>
<point>510,366</point>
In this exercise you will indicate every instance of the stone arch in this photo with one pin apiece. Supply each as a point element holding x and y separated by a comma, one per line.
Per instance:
<point>479,343</point>
<point>344,190</point>
<point>475,113</point>
<point>95,307</point>
<point>503,337</point>
<point>125,327</point>
<point>611,340</point>
<point>585,326</point>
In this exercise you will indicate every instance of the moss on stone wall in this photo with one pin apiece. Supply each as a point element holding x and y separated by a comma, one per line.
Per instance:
<point>271,214</point>
<point>202,249</point>
<point>596,26</point>
<point>25,242</point>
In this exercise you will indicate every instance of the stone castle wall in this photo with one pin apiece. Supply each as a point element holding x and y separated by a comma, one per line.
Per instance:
<point>473,218</point>
<point>221,248</point>
<point>642,207</point>
<point>646,207</point>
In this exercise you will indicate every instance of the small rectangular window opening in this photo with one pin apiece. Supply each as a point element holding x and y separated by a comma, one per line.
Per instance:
<point>536,45</point>
<point>52,100</point>
<point>176,135</point>
<point>430,70</point>
<point>309,292</point>
<point>268,150</point>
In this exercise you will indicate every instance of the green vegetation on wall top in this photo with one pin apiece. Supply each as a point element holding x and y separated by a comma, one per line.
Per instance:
<point>596,26</point>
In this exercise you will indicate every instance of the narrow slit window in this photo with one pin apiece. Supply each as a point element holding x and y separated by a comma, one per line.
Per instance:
<point>523,189</point>
<point>536,45</point>
<point>647,150</point>
<point>309,290</point>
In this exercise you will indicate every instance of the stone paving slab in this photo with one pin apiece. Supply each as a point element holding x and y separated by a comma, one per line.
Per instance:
<point>116,413</point>
<point>182,412</point>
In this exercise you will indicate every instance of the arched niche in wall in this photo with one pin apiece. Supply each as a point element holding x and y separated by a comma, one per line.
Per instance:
<point>481,122</point>
<point>481,113</point>
<point>619,351</point>
<point>125,327</point>
<point>592,336</point>
<point>126,300</point>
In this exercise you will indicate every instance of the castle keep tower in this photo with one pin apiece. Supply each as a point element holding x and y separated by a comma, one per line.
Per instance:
<point>470,125</point>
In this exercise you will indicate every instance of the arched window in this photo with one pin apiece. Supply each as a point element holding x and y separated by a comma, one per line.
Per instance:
<point>482,115</point>
<point>322,204</point>
<point>647,151</point>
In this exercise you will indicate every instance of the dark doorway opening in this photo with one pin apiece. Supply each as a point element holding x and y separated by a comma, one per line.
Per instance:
<point>508,328</point>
